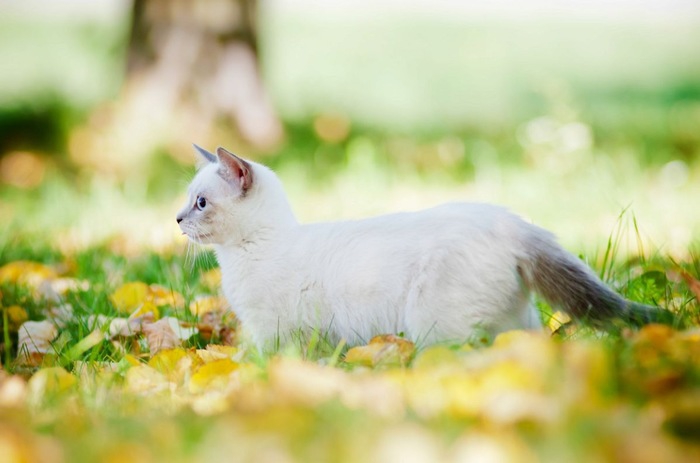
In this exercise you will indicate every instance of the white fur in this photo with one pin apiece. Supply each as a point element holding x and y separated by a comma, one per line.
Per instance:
<point>443,274</point>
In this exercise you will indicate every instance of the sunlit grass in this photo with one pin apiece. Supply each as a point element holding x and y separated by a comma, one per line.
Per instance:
<point>598,147</point>
<point>568,396</point>
<point>580,206</point>
<point>580,393</point>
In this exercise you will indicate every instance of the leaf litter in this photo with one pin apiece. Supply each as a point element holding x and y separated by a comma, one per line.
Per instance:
<point>184,369</point>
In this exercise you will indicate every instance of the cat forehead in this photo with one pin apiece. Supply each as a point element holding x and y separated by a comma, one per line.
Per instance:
<point>207,178</point>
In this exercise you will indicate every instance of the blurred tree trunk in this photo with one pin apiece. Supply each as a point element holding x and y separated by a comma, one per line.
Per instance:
<point>204,53</point>
<point>191,76</point>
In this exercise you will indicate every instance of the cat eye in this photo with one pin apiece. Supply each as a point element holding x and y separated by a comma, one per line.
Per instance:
<point>201,202</point>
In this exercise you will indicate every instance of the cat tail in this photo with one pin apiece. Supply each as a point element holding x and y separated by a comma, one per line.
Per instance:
<point>564,281</point>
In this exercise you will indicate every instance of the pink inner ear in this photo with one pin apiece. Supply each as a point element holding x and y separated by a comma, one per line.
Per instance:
<point>236,169</point>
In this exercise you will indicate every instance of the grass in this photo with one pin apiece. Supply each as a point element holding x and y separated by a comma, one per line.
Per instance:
<point>421,125</point>
<point>577,394</point>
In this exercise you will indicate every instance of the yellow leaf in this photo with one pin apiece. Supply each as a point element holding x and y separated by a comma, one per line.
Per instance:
<point>160,296</point>
<point>655,335</point>
<point>215,352</point>
<point>129,296</point>
<point>503,445</point>
<point>435,356</point>
<point>509,375</point>
<point>508,338</point>
<point>228,351</point>
<point>558,319</point>
<point>175,364</point>
<point>691,335</point>
<point>205,304</point>
<point>144,379</point>
<point>16,315</point>
<point>299,381</point>
<point>589,371</point>
<point>364,355</point>
<point>91,373</point>
<point>533,349</point>
<point>146,308</point>
<point>26,273</point>
<point>131,360</point>
<point>166,360</point>
<point>49,381</point>
<point>383,349</point>
<point>208,357</point>
<point>215,375</point>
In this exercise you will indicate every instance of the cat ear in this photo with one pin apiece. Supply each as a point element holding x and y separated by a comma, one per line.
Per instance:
<point>204,153</point>
<point>235,169</point>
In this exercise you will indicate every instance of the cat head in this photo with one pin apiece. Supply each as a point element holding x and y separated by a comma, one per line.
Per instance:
<point>231,199</point>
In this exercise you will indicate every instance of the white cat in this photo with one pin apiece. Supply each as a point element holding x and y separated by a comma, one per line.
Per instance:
<point>443,274</point>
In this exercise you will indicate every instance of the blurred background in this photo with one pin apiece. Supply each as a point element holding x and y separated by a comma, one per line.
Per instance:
<point>583,116</point>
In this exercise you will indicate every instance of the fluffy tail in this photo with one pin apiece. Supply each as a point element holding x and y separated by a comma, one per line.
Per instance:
<point>565,281</point>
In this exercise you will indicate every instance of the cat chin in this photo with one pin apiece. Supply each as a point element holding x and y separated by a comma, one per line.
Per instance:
<point>201,239</point>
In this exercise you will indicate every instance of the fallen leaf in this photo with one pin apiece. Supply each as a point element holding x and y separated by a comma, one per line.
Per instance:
<point>160,335</point>
<point>136,295</point>
<point>145,308</point>
<point>160,296</point>
<point>92,373</point>
<point>228,336</point>
<point>221,325</point>
<point>212,375</point>
<point>131,360</point>
<point>382,350</point>
<point>49,381</point>
<point>557,320</point>
<point>207,356</point>
<point>589,368</point>
<point>128,326</point>
<point>143,379</point>
<point>16,315</point>
<point>436,356</point>
<point>13,391</point>
<point>217,352</point>
<point>27,273</point>
<point>502,446</point>
<point>654,334</point>
<point>34,341</point>
<point>205,304</point>
<point>55,289</point>
<point>229,351</point>
<point>692,335</point>
<point>181,330</point>
<point>129,296</point>
<point>298,381</point>
<point>176,364</point>
<point>166,360</point>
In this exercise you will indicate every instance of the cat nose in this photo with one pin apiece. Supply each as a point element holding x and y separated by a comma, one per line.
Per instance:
<point>179,219</point>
